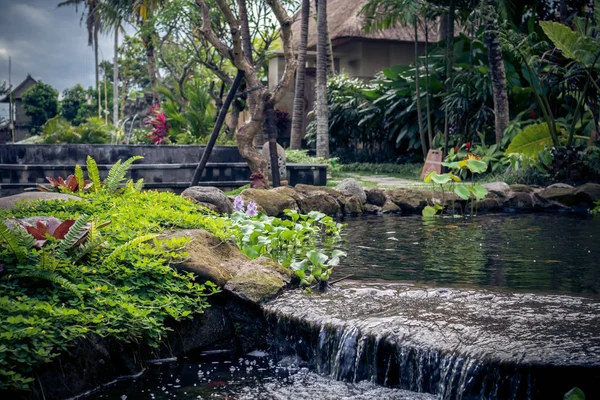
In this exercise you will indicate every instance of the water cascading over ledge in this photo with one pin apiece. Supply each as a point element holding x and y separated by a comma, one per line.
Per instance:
<point>455,344</point>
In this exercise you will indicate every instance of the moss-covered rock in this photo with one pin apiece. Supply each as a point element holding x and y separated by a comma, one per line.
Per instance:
<point>272,202</point>
<point>562,195</point>
<point>376,197</point>
<point>225,265</point>
<point>409,201</point>
<point>320,201</point>
<point>351,205</point>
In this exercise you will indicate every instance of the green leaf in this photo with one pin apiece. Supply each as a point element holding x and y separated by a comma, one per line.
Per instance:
<point>250,251</point>
<point>479,191</point>
<point>429,212</point>
<point>573,45</point>
<point>531,140</point>
<point>316,258</point>
<point>575,394</point>
<point>477,166</point>
<point>441,179</point>
<point>462,192</point>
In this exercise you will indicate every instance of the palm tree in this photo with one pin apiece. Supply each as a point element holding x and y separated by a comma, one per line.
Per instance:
<point>322,67</point>
<point>497,72</point>
<point>299,104</point>
<point>93,23</point>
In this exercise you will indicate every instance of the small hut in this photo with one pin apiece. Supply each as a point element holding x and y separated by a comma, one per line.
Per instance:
<point>355,52</point>
<point>22,122</point>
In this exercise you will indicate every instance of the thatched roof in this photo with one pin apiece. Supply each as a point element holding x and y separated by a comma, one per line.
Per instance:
<point>344,22</point>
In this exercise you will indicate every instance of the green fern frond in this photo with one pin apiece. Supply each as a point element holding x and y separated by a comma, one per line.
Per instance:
<point>52,277</point>
<point>89,248</point>
<point>47,262</point>
<point>79,177</point>
<point>73,235</point>
<point>117,174</point>
<point>12,242</point>
<point>127,246</point>
<point>93,173</point>
<point>139,185</point>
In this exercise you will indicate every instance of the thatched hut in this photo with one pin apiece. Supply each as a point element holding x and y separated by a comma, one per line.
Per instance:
<point>356,52</point>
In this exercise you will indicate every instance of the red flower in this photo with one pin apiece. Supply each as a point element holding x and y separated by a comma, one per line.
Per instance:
<point>468,145</point>
<point>456,148</point>
<point>532,114</point>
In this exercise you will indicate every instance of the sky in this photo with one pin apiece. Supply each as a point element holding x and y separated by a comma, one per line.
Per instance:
<point>47,42</point>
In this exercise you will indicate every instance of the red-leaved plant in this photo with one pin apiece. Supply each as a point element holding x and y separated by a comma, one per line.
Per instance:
<point>160,128</point>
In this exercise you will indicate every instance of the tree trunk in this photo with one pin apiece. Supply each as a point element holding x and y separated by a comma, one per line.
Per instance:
<point>234,118</point>
<point>322,61</point>
<point>449,64</point>
<point>244,138</point>
<point>427,102</point>
<point>116,79</point>
<point>299,103</point>
<point>97,67</point>
<point>418,90</point>
<point>564,12</point>
<point>148,42</point>
<point>497,72</point>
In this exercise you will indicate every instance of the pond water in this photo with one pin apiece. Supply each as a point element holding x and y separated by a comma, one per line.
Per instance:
<point>252,377</point>
<point>500,306</point>
<point>532,252</point>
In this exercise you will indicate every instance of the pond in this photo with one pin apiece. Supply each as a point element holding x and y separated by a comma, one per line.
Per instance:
<point>499,306</point>
<point>531,252</point>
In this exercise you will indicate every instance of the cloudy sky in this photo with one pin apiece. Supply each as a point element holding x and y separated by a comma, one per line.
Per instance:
<point>47,42</point>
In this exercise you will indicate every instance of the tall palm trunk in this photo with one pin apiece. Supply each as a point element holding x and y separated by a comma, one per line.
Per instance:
<point>427,102</point>
<point>116,79</point>
<point>449,65</point>
<point>97,68</point>
<point>497,73</point>
<point>418,89</point>
<point>299,103</point>
<point>148,43</point>
<point>322,61</point>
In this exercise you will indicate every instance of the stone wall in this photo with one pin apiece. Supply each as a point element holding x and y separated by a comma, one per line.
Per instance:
<point>163,167</point>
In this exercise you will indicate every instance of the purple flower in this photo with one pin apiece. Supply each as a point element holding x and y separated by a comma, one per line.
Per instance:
<point>252,210</point>
<point>238,204</point>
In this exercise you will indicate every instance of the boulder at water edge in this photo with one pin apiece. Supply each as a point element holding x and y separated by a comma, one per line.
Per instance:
<point>351,187</point>
<point>225,265</point>
<point>209,196</point>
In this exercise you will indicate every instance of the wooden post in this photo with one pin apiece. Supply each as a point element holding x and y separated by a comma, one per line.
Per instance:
<point>271,131</point>
<point>217,128</point>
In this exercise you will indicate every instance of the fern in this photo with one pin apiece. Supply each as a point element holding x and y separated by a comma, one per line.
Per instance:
<point>79,177</point>
<point>139,185</point>
<point>117,174</point>
<point>93,173</point>
<point>12,242</point>
<point>72,236</point>
<point>89,248</point>
<point>127,246</point>
<point>47,262</point>
<point>52,277</point>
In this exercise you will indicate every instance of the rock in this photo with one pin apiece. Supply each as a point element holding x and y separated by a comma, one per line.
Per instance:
<point>10,202</point>
<point>352,205</point>
<point>372,209</point>
<point>519,201</point>
<point>560,186</point>
<point>351,187</point>
<point>521,188</point>
<point>272,202</point>
<point>487,204</point>
<point>225,265</point>
<point>376,197</point>
<point>390,208</point>
<point>320,201</point>
<point>498,188</point>
<point>310,189</point>
<point>209,195</point>
<point>587,195</point>
<point>410,201</point>
<point>562,195</point>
